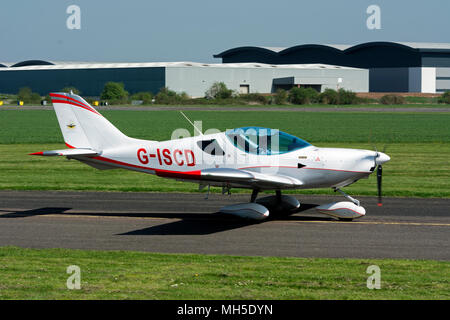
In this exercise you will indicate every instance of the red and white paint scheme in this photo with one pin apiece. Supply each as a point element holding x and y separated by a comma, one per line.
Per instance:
<point>250,157</point>
<point>343,209</point>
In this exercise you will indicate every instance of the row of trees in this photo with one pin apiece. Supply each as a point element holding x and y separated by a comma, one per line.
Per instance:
<point>218,93</point>
<point>293,96</point>
<point>115,93</point>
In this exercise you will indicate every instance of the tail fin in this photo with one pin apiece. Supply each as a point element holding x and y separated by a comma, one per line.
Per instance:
<point>82,126</point>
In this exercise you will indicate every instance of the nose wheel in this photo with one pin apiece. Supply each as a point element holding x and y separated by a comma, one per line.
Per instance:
<point>344,210</point>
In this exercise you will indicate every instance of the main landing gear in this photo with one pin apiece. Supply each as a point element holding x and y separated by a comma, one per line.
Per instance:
<point>260,209</point>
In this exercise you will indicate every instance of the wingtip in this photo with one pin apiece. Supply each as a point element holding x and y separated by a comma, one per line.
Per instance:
<point>40,153</point>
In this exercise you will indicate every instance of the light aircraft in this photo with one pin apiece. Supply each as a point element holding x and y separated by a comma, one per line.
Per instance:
<point>250,157</point>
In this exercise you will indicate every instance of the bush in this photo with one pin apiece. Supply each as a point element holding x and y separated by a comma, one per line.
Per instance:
<point>114,93</point>
<point>27,96</point>
<point>445,97</point>
<point>281,97</point>
<point>145,97</point>
<point>218,91</point>
<point>24,94</point>
<point>254,97</point>
<point>167,96</point>
<point>329,96</point>
<point>303,95</point>
<point>48,99</point>
<point>183,96</point>
<point>69,89</point>
<point>347,97</point>
<point>392,99</point>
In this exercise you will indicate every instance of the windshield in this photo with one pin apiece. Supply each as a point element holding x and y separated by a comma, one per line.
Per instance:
<point>264,141</point>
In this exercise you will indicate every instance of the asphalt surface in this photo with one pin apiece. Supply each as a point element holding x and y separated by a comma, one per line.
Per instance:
<point>186,223</point>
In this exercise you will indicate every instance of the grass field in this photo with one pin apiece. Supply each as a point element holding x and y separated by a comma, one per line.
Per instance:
<point>418,144</point>
<point>411,102</point>
<point>41,274</point>
<point>39,126</point>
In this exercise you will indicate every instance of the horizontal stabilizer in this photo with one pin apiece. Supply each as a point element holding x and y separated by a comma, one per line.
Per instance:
<point>67,152</point>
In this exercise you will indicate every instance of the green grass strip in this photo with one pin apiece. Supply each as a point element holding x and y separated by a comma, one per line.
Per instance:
<point>41,274</point>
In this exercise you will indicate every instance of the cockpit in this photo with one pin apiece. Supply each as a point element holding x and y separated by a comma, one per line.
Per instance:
<point>264,141</point>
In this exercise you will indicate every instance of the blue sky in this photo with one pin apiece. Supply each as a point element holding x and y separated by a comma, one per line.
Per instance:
<point>174,30</point>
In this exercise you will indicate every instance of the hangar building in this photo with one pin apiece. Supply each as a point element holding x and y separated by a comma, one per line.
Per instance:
<point>190,77</point>
<point>393,66</point>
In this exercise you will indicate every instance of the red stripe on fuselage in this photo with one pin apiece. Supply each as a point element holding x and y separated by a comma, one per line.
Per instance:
<point>159,172</point>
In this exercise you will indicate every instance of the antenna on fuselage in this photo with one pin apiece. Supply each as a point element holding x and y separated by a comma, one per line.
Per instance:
<point>198,130</point>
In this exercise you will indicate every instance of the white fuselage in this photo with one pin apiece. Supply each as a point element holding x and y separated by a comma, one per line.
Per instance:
<point>184,158</point>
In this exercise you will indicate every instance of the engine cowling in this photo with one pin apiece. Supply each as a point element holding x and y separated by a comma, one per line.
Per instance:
<point>250,210</point>
<point>342,210</point>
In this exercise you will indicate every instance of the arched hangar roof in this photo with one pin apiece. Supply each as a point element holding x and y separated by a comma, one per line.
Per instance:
<point>364,55</point>
<point>32,63</point>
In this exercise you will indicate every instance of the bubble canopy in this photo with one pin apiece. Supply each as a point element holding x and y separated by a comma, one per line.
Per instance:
<point>264,141</point>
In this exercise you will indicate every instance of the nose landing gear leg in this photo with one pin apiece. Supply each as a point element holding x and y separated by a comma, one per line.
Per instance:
<point>355,201</point>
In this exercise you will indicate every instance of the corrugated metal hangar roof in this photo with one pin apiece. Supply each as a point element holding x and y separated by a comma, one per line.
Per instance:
<point>54,65</point>
<point>379,54</point>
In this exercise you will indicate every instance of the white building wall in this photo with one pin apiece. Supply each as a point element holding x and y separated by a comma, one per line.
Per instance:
<point>428,80</point>
<point>422,80</point>
<point>195,81</point>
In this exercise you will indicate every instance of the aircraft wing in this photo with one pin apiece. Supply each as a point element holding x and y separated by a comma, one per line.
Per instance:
<point>249,178</point>
<point>67,152</point>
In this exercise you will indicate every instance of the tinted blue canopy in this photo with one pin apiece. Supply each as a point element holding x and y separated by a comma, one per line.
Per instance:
<point>264,141</point>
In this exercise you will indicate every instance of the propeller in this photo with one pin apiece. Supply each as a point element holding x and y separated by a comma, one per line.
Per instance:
<point>379,175</point>
<point>379,159</point>
<point>379,179</point>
